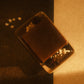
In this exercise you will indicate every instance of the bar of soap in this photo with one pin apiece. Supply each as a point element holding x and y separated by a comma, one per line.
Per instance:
<point>42,37</point>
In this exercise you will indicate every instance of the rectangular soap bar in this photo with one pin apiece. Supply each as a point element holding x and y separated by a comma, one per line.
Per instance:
<point>41,36</point>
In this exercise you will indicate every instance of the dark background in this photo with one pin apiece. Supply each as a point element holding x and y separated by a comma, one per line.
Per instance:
<point>16,63</point>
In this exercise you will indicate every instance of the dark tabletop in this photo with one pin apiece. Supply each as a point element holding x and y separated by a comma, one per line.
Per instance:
<point>16,63</point>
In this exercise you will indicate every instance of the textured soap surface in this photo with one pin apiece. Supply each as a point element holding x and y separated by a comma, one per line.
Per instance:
<point>43,37</point>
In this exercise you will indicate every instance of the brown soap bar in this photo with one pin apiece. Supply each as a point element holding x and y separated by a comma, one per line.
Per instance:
<point>42,36</point>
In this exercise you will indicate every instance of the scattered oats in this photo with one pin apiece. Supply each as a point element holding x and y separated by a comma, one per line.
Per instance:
<point>19,18</point>
<point>6,24</point>
<point>10,20</point>
<point>13,19</point>
<point>12,26</point>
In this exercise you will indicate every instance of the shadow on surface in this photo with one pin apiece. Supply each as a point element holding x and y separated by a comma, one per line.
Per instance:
<point>69,78</point>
